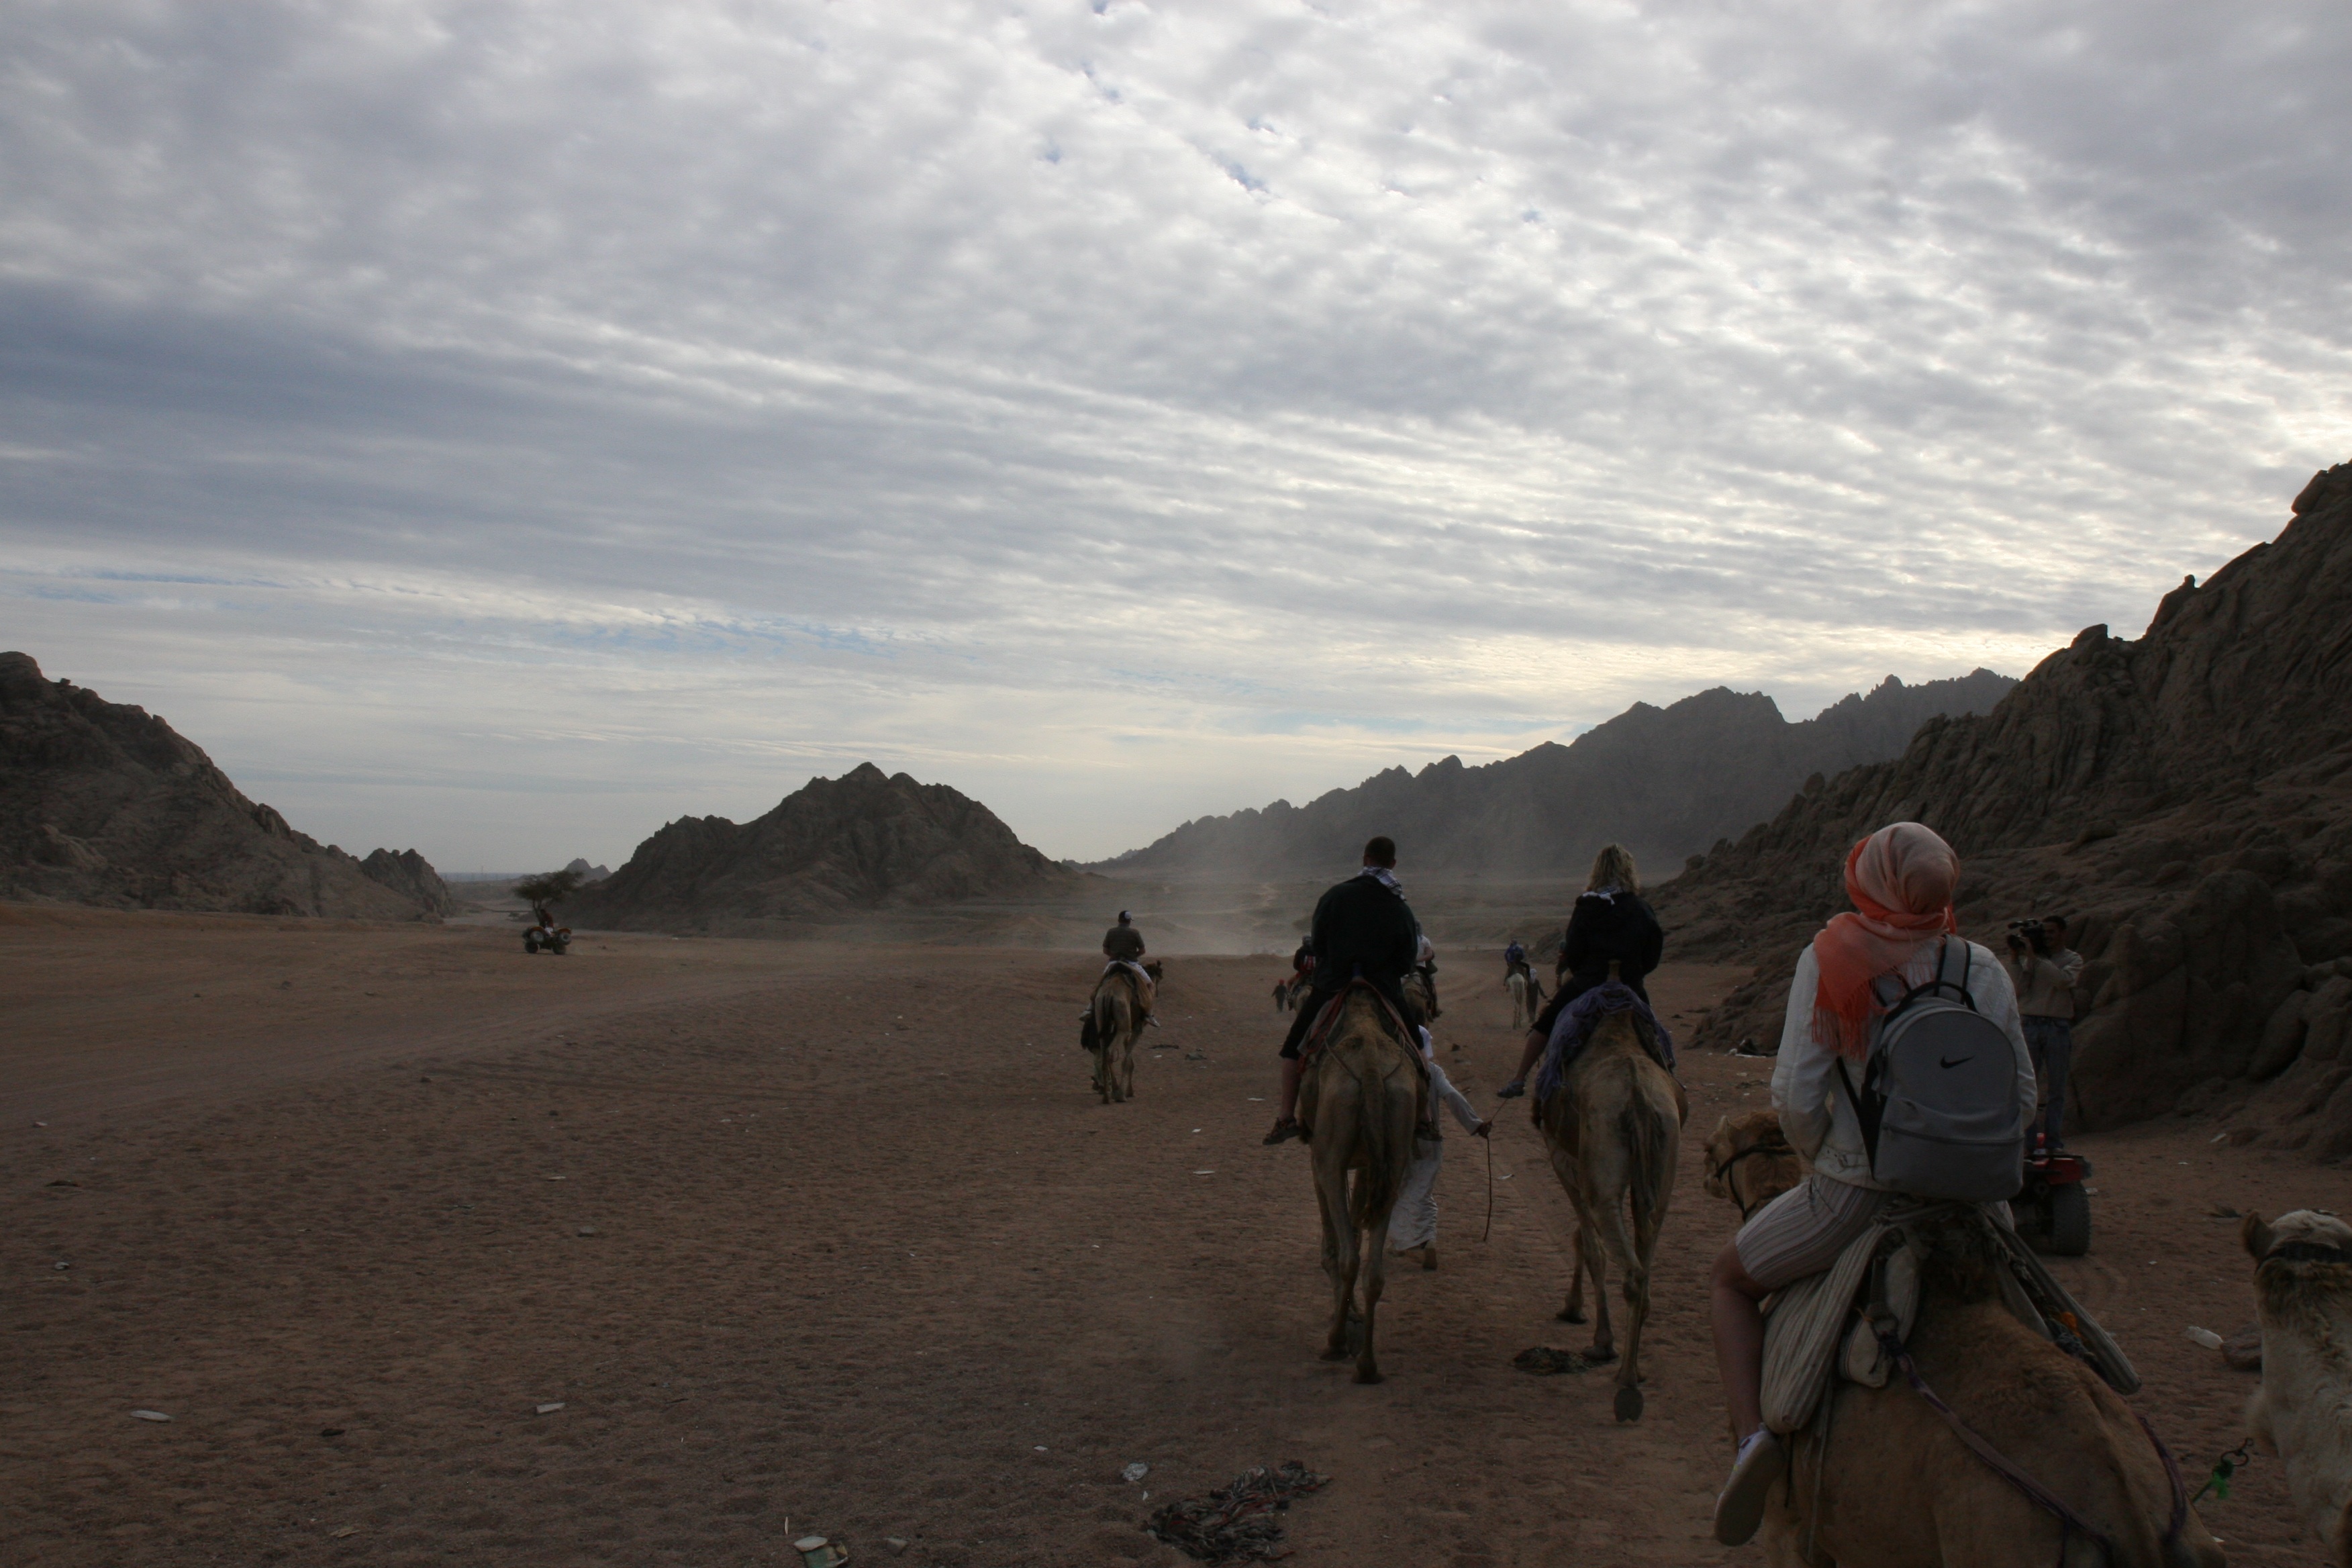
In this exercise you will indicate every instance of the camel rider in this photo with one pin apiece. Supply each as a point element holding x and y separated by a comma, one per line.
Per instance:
<point>1610,922</point>
<point>1515,960</point>
<point>1362,926</point>
<point>1123,943</point>
<point>1901,879</point>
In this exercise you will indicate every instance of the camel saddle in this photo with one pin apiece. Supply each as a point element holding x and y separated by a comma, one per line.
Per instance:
<point>1424,1104</point>
<point>1827,1326</point>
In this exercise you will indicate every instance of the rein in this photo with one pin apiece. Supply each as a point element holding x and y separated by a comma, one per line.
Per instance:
<point>2307,1252</point>
<point>2070,1523</point>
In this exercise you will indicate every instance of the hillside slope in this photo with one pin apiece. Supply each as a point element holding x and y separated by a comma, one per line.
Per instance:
<point>101,803</point>
<point>833,848</point>
<point>1661,781</point>
<point>2187,794</point>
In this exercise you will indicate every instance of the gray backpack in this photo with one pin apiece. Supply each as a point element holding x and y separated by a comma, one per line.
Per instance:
<point>1939,1098</point>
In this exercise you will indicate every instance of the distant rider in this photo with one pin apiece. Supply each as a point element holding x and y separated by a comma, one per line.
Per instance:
<point>1515,960</point>
<point>1361,927</point>
<point>2044,970</point>
<point>1123,943</point>
<point>1610,921</point>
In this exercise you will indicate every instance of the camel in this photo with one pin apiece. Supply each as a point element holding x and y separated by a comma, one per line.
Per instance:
<point>1527,997</point>
<point>1880,1479</point>
<point>1749,1163</point>
<point>1122,1004</point>
<point>2303,1282</point>
<point>1612,1127</point>
<point>1361,1098</point>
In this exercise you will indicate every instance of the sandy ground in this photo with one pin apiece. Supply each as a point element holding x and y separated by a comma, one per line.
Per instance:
<point>822,1238</point>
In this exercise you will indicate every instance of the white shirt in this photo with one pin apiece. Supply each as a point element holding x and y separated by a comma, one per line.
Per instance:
<point>1815,1114</point>
<point>1455,1101</point>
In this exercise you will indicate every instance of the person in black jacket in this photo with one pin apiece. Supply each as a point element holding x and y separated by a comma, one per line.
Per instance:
<point>1610,922</point>
<point>1361,927</point>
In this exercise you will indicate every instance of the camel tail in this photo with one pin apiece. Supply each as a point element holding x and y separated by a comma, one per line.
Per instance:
<point>1378,1182</point>
<point>1648,1160</point>
<point>1107,1023</point>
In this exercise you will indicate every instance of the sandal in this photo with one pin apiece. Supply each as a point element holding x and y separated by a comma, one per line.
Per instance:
<point>1285,1129</point>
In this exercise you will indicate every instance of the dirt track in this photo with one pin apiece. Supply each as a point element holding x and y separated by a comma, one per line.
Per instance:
<point>866,1260</point>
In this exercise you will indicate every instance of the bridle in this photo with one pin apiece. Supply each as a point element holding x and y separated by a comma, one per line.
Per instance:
<point>1771,1143</point>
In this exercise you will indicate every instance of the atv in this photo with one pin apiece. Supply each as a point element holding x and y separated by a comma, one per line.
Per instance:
<point>556,939</point>
<point>2053,1208</point>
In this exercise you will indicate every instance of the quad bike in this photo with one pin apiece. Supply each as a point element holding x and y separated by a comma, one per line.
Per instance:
<point>555,939</point>
<point>2053,1210</point>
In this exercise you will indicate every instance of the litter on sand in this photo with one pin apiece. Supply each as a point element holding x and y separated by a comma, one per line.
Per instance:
<point>151,1415</point>
<point>1236,1522</point>
<point>1544,1360</point>
<point>550,1409</point>
<point>345,1533</point>
<point>2206,1337</point>
<point>1134,1472</point>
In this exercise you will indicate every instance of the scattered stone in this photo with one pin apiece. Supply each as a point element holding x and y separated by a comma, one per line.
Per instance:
<point>146,1414</point>
<point>2206,1337</point>
<point>1134,1472</point>
<point>331,1431</point>
<point>585,1230</point>
<point>347,1530</point>
<point>551,1408</point>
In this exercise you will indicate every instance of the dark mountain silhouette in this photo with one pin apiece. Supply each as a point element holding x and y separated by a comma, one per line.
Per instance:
<point>2188,795</point>
<point>101,803</point>
<point>833,848</point>
<point>1663,782</point>
<point>412,876</point>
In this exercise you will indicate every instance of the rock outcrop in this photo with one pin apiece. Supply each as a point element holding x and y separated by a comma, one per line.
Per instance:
<point>1663,782</point>
<point>412,876</point>
<point>2186,796</point>
<point>835,849</point>
<point>101,803</point>
<point>587,873</point>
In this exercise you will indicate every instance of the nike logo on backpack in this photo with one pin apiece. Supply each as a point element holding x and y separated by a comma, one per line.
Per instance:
<point>1952,1061</point>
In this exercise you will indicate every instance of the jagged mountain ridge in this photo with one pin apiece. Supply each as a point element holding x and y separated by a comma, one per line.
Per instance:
<point>1661,781</point>
<point>830,849</point>
<point>103,803</point>
<point>2187,794</point>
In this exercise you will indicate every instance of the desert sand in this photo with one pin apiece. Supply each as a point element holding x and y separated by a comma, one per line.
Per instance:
<point>826,1238</point>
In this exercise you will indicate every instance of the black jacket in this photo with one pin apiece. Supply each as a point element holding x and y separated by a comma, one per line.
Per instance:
<point>1361,926</point>
<point>1619,926</point>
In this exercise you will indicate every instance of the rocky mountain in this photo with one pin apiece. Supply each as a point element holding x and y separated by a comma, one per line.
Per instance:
<point>2186,797</point>
<point>412,876</point>
<point>1663,782</point>
<point>833,849</point>
<point>587,873</point>
<point>101,803</point>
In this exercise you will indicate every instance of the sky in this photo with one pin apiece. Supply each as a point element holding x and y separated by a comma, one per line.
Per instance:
<point>501,428</point>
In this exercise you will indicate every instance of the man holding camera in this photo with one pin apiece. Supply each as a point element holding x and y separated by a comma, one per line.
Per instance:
<point>2044,969</point>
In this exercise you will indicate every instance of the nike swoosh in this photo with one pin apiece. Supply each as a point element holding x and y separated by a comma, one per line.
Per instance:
<point>1953,1061</point>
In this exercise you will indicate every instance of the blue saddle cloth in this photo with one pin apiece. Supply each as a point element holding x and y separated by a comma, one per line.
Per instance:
<point>1577,1021</point>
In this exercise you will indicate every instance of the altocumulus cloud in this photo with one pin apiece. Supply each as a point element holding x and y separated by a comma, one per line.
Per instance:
<point>500,427</point>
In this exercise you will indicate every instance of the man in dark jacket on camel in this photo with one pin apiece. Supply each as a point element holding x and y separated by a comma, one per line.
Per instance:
<point>1361,927</point>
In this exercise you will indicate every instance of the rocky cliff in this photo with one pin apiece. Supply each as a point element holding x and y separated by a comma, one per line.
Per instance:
<point>105,804</point>
<point>2186,797</point>
<point>834,848</point>
<point>411,876</point>
<point>1663,782</point>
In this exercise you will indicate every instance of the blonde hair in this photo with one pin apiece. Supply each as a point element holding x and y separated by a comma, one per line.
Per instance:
<point>1613,867</point>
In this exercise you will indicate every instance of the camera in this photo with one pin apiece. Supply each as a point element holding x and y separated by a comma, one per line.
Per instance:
<point>2034,930</point>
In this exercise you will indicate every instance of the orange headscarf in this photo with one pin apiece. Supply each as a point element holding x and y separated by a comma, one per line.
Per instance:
<point>1901,879</point>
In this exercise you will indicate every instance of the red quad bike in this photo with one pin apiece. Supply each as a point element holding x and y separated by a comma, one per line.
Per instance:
<point>2052,1211</point>
<point>554,940</point>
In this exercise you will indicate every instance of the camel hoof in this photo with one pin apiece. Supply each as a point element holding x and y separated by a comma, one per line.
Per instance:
<point>1569,1315</point>
<point>1368,1375</point>
<point>1428,1259</point>
<point>1629,1403</point>
<point>1600,1355</point>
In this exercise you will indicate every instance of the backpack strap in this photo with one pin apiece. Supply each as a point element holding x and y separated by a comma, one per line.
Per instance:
<point>1865,1114</point>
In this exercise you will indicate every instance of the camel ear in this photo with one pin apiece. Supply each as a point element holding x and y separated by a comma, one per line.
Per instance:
<point>2257,1238</point>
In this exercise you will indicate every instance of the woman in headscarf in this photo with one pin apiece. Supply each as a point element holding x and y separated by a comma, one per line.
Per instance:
<point>1610,921</point>
<point>1901,880</point>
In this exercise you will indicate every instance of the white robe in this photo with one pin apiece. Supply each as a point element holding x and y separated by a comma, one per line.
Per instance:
<point>1414,1222</point>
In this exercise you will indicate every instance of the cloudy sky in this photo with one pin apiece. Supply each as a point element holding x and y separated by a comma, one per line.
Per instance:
<point>502,427</point>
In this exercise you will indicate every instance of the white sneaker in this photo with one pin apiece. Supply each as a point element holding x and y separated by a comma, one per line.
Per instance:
<point>1740,1509</point>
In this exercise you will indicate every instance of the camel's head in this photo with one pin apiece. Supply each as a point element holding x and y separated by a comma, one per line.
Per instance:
<point>1748,1160</point>
<point>2304,1236</point>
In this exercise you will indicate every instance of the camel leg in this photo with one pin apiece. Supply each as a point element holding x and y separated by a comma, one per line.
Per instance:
<point>1339,1234</point>
<point>1376,1247</point>
<point>1573,1311</point>
<point>1594,1260</point>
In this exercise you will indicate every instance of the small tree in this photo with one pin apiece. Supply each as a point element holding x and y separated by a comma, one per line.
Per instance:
<point>548,886</point>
